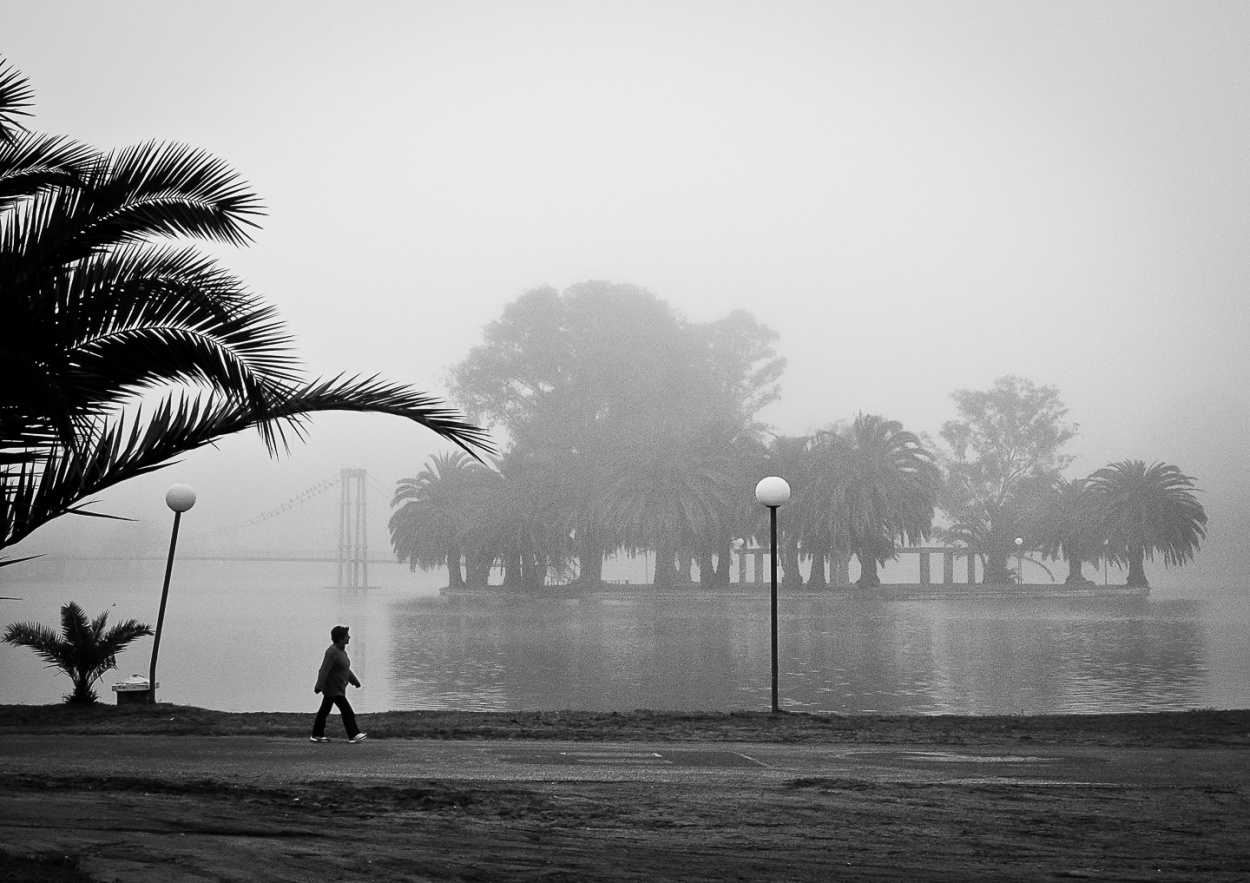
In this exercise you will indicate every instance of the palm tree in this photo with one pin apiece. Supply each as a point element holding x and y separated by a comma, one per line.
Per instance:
<point>97,315</point>
<point>83,650</point>
<point>790,458</point>
<point>1147,509</point>
<point>433,510</point>
<point>1063,523</point>
<point>740,516</point>
<point>883,490</point>
<point>528,522</point>
<point>671,490</point>
<point>988,533</point>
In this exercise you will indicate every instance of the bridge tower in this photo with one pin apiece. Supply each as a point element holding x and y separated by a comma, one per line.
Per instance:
<point>353,531</point>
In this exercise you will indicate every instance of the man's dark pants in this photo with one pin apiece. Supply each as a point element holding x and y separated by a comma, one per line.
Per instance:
<point>345,709</point>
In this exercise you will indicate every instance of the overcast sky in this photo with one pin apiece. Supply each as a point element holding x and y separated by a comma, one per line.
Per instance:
<point>918,196</point>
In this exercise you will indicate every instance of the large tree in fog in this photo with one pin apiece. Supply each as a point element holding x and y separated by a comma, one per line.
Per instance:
<point>102,303</point>
<point>1146,510</point>
<point>1003,447</point>
<point>562,374</point>
<point>582,379</point>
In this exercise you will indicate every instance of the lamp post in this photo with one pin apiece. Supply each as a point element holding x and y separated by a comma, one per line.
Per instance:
<point>773,492</point>
<point>1019,561</point>
<point>179,498</point>
<point>1106,547</point>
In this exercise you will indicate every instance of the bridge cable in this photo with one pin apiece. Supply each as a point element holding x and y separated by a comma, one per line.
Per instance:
<point>297,500</point>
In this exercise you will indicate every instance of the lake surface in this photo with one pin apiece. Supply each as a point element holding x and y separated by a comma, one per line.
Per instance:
<point>245,637</point>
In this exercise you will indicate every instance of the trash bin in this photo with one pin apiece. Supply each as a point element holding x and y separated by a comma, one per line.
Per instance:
<point>133,691</point>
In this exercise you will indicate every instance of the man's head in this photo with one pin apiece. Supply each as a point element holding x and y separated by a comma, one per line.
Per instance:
<point>339,635</point>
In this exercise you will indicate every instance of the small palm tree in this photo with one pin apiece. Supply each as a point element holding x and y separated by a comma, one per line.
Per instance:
<point>1147,509</point>
<point>83,650</point>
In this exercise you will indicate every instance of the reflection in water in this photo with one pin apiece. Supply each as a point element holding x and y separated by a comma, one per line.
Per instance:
<point>839,653</point>
<point>250,638</point>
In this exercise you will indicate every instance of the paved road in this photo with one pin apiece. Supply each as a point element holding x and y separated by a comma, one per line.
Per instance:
<point>271,760</point>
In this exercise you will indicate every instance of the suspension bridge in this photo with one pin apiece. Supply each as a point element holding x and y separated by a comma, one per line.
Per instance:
<point>350,553</point>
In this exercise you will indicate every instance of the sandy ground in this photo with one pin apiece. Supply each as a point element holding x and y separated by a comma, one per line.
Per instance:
<point>1164,824</point>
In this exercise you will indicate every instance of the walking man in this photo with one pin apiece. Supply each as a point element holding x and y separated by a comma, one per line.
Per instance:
<point>332,681</point>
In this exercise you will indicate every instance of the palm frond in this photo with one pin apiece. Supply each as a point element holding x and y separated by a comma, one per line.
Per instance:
<point>125,450</point>
<point>16,95</point>
<point>169,189</point>
<point>31,163</point>
<point>39,638</point>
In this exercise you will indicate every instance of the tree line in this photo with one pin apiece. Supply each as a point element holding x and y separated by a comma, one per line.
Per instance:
<point>630,430</point>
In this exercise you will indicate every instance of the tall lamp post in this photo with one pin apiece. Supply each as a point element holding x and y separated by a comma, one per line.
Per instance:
<point>773,492</point>
<point>179,498</point>
<point>1019,561</point>
<point>1106,548</point>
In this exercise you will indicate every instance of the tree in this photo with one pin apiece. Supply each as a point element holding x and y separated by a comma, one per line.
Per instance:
<point>526,521</point>
<point>672,492</point>
<point>434,510</point>
<point>878,486</point>
<point>1004,445</point>
<point>790,458</point>
<point>83,650</point>
<point>1064,524</point>
<point>1146,510</point>
<point>577,378</point>
<point>96,316</point>
<point>562,374</point>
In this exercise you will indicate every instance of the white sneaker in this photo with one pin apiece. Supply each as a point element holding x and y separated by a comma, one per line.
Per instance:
<point>318,739</point>
<point>359,737</point>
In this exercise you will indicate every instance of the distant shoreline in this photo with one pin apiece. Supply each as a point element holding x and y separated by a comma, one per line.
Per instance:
<point>936,591</point>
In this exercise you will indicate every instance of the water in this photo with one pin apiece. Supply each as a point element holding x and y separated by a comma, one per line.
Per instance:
<point>245,637</point>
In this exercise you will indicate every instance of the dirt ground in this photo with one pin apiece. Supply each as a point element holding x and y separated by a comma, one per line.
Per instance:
<point>131,829</point>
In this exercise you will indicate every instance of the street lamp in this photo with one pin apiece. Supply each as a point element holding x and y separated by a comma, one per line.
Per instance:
<point>179,498</point>
<point>1106,547</point>
<point>1019,561</point>
<point>773,492</point>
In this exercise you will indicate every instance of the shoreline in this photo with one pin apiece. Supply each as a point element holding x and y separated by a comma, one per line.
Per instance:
<point>885,591</point>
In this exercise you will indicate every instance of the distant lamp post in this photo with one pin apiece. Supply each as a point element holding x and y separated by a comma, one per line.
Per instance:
<point>773,492</point>
<point>1019,561</point>
<point>179,498</point>
<point>1106,549</point>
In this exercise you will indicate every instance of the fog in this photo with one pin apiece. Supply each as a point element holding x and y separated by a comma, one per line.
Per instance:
<point>918,197</point>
